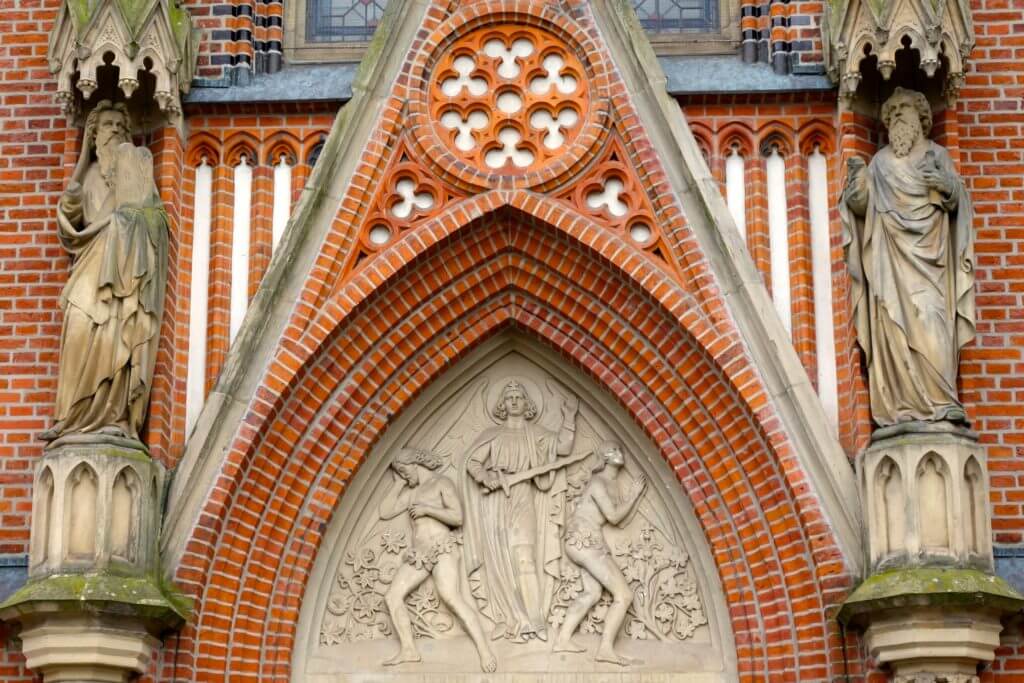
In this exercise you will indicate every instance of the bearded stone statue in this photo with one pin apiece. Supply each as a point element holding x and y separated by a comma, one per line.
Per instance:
<point>113,223</point>
<point>909,246</point>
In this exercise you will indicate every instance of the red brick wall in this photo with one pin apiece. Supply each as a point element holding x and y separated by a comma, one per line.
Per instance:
<point>37,149</point>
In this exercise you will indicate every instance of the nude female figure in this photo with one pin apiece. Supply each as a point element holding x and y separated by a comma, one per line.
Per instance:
<point>599,504</point>
<point>433,504</point>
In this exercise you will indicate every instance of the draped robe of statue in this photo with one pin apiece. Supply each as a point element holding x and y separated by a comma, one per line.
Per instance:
<point>117,235</point>
<point>911,261</point>
<point>496,523</point>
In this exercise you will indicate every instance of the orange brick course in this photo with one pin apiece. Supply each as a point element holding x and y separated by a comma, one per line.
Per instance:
<point>533,261</point>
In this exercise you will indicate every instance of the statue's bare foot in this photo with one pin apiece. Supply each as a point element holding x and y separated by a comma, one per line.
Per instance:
<point>568,645</point>
<point>404,656</point>
<point>488,664</point>
<point>610,656</point>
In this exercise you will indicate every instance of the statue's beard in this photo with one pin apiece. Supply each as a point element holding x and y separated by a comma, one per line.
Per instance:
<point>106,150</point>
<point>903,133</point>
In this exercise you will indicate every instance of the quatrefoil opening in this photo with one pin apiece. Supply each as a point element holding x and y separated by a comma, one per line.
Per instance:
<point>555,125</point>
<point>509,55</point>
<point>554,74</point>
<point>465,138</point>
<point>607,198</point>
<point>512,150</point>
<point>409,200</point>
<point>464,66</point>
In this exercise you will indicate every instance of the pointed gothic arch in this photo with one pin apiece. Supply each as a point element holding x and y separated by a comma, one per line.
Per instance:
<point>291,463</point>
<point>334,347</point>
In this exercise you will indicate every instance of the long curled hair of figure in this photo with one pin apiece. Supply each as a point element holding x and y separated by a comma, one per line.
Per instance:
<point>419,456</point>
<point>501,412</point>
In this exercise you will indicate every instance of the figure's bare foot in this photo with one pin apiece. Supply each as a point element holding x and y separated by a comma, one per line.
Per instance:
<point>404,656</point>
<point>568,645</point>
<point>612,657</point>
<point>488,664</point>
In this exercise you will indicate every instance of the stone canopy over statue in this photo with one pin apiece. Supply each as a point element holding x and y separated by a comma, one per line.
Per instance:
<point>113,224</point>
<point>907,231</point>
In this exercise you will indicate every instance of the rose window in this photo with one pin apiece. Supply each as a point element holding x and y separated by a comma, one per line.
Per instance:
<point>508,100</point>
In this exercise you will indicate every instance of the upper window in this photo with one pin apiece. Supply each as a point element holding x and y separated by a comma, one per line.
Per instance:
<point>676,16</point>
<point>338,30</point>
<point>342,21</point>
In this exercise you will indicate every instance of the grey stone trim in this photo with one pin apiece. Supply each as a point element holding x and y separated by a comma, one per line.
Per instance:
<point>685,75</point>
<point>830,474</point>
<point>13,574</point>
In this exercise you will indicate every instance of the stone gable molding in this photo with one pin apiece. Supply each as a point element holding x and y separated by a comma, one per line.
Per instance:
<point>345,329</point>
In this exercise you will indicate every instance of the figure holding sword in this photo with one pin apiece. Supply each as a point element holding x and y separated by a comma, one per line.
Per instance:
<point>513,512</point>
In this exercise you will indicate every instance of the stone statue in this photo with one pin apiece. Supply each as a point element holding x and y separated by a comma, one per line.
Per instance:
<point>909,246</point>
<point>585,545</point>
<point>112,222</point>
<point>433,504</point>
<point>512,531</point>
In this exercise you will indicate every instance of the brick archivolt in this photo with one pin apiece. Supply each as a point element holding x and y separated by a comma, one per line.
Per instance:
<point>307,435</point>
<point>470,250</point>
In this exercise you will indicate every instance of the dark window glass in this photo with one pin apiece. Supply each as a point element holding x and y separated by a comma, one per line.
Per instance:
<point>674,16</point>
<point>355,20</point>
<point>343,20</point>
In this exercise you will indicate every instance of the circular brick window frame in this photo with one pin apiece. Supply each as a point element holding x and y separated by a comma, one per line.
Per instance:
<point>550,32</point>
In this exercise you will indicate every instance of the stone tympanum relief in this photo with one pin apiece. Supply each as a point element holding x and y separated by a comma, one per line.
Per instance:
<point>113,223</point>
<point>513,521</point>
<point>909,243</point>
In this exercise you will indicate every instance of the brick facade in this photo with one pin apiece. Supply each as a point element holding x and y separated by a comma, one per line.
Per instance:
<point>471,269</point>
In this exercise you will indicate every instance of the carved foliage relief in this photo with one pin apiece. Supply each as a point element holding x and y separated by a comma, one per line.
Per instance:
<point>566,488</point>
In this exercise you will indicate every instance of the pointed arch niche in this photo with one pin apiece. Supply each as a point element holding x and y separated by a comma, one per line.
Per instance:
<point>333,642</point>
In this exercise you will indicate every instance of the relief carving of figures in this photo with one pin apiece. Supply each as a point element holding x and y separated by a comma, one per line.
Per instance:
<point>113,223</point>
<point>513,529</point>
<point>512,522</point>
<point>585,545</point>
<point>907,230</point>
<point>433,504</point>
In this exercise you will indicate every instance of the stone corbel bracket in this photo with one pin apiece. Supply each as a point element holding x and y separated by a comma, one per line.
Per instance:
<point>853,30</point>
<point>136,36</point>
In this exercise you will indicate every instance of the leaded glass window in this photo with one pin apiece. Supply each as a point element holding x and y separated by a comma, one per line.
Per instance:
<point>354,21</point>
<point>674,16</point>
<point>343,21</point>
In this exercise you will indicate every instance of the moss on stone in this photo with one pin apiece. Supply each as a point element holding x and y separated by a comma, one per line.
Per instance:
<point>929,587</point>
<point>148,598</point>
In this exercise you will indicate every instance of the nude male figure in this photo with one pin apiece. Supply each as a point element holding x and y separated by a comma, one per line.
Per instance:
<point>433,504</point>
<point>599,504</point>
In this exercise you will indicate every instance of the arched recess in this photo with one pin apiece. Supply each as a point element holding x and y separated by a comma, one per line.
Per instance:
<point>331,393</point>
<point>443,419</point>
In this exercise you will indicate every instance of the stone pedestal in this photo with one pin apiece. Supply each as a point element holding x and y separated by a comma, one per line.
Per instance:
<point>925,498</point>
<point>95,600</point>
<point>87,648</point>
<point>931,609</point>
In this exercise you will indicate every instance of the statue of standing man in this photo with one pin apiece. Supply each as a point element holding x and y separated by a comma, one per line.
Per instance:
<point>512,530</point>
<point>909,246</point>
<point>112,222</point>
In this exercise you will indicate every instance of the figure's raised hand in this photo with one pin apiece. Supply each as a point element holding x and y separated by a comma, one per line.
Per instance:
<point>639,486</point>
<point>570,406</point>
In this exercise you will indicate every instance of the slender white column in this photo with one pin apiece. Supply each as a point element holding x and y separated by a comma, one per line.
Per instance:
<point>778,236</point>
<point>241,221</point>
<point>821,261</point>
<point>282,199</point>
<point>199,292</point>
<point>736,189</point>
